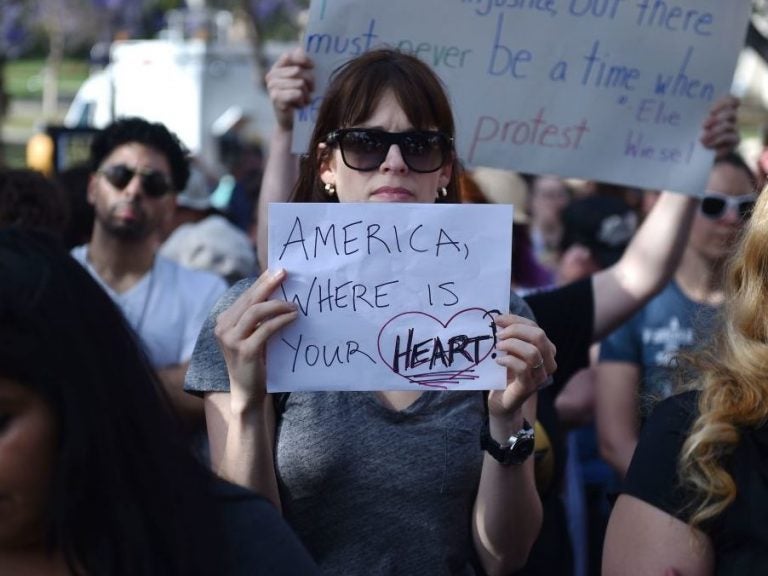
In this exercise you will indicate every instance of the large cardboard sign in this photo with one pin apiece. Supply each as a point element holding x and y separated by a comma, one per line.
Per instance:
<point>608,90</point>
<point>390,297</point>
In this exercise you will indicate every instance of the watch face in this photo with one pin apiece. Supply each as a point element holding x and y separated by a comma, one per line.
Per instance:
<point>521,450</point>
<point>521,447</point>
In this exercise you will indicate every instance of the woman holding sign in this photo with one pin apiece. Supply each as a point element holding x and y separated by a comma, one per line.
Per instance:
<point>380,482</point>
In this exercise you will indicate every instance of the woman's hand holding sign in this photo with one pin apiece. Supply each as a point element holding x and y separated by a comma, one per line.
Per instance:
<point>243,330</point>
<point>529,359</point>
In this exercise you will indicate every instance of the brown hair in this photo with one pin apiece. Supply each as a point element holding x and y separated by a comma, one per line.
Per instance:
<point>352,96</point>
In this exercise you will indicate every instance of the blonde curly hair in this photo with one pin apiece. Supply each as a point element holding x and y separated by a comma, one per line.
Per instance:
<point>731,374</point>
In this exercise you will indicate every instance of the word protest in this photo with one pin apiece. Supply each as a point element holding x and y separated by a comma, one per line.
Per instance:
<point>391,297</point>
<point>608,90</point>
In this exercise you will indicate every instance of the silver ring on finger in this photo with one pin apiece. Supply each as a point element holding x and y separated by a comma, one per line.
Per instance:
<point>539,365</point>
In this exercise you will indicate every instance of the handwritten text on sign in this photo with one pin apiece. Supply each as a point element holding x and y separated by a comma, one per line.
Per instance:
<point>390,297</point>
<point>609,90</point>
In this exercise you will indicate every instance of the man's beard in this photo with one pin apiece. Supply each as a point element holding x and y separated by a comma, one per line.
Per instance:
<point>133,230</point>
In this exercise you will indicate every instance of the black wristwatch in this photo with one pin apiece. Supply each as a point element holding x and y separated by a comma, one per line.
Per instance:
<point>517,449</point>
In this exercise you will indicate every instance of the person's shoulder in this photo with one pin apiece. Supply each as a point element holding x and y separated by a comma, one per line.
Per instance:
<point>519,306</point>
<point>233,293</point>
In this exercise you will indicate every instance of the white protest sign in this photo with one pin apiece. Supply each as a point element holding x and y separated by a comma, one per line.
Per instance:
<point>608,90</point>
<point>391,297</point>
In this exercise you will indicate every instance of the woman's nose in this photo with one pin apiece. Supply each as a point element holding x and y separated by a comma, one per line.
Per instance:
<point>394,160</point>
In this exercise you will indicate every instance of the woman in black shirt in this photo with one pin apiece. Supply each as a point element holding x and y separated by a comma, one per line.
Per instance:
<point>696,494</point>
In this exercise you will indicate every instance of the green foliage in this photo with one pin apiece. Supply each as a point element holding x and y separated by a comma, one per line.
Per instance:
<point>23,78</point>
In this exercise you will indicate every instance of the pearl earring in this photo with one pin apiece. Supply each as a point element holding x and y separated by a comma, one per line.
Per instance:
<point>330,189</point>
<point>442,192</point>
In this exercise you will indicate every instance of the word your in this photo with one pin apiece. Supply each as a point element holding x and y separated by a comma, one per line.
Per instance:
<point>329,355</point>
<point>368,238</point>
<point>635,146</point>
<point>536,131</point>
<point>339,296</point>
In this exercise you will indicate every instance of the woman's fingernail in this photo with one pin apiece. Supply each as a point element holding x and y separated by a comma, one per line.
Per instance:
<point>278,273</point>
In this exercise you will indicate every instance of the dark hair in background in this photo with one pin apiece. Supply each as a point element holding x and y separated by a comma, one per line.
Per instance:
<point>31,201</point>
<point>74,183</point>
<point>127,496</point>
<point>735,159</point>
<point>352,96</point>
<point>151,134</point>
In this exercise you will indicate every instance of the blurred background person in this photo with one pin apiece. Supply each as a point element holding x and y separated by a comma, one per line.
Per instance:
<point>484,185</point>
<point>549,195</point>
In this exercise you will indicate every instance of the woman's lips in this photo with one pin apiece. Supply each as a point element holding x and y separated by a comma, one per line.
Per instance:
<point>392,194</point>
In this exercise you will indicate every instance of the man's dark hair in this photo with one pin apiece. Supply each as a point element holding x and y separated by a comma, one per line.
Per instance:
<point>151,134</point>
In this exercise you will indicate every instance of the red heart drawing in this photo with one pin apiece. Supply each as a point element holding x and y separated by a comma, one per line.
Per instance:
<point>428,352</point>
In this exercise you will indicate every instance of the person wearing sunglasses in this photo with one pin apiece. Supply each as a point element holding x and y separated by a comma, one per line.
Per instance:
<point>636,361</point>
<point>376,482</point>
<point>137,169</point>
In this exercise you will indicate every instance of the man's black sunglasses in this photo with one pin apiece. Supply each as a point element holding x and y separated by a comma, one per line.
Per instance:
<point>714,205</point>
<point>153,182</point>
<point>365,149</point>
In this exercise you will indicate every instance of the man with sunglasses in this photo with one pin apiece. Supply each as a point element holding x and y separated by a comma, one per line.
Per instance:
<point>636,360</point>
<point>137,169</point>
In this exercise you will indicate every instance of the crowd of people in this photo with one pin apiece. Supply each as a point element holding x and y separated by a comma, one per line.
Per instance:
<point>137,435</point>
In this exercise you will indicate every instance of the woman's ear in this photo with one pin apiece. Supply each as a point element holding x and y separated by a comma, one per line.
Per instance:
<point>326,164</point>
<point>445,174</point>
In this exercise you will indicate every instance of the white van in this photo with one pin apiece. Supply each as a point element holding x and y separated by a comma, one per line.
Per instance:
<point>198,90</point>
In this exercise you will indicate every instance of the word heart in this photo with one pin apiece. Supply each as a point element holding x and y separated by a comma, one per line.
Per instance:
<point>428,352</point>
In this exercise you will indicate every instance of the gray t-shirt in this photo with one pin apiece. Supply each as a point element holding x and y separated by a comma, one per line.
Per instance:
<point>370,490</point>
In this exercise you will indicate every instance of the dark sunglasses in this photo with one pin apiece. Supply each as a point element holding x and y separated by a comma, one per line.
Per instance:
<point>365,149</point>
<point>714,205</point>
<point>153,182</point>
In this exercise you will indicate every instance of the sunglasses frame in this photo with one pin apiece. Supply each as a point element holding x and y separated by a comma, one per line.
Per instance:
<point>728,203</point>
<point>147,177</point>
<point>336,138</point>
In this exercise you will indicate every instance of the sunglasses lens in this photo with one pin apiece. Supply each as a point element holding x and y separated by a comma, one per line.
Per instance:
<point>363,150</point>
<point>423,152</point>
<point>154,184</point>
<point>119,176</point>
<point>712,207</point>
<point>366,149</point>
<point>745,208</point>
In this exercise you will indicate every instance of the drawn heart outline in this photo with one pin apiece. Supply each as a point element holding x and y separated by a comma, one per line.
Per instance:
<point>454,376</point>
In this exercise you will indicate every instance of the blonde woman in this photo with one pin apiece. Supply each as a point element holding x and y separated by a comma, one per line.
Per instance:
<point>695,500</point>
